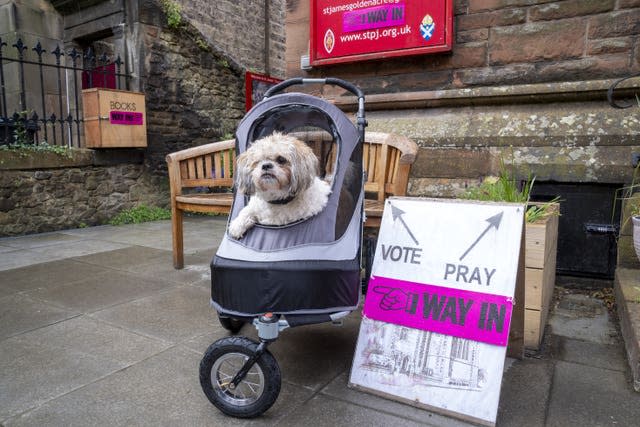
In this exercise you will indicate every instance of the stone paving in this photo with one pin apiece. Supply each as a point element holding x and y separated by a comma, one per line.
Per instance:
<point>98,329</point>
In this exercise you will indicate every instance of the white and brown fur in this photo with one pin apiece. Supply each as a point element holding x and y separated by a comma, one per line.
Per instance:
<point>280,174</point>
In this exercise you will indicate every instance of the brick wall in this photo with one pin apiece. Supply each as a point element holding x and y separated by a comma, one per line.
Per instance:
<point>499,42</point>
<point>237,27</point>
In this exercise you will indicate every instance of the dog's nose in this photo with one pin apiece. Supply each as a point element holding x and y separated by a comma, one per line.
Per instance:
<point>267,166</point>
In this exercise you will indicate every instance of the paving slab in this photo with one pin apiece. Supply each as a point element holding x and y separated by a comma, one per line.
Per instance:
<point>591,354</point>
<point>338,390</point>
<point>4,248</point>
<point>179,314</point>
<point>123,258</point>
<point>38,240</point>
<point>588,396</point>
<point>584,318</point>
<point>196,269</point>
<point>78,248</point>
<point>312,356</point>
<point>159,391</point>
<point>101,291</point>
<point>19,313</point>
<point>324,411</point>
<point>22,258</point>
<point>41,365</point>
<point>525,392</point>
<point>48,275</point>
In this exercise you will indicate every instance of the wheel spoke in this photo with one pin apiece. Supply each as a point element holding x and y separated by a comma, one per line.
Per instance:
<point>248,390</point>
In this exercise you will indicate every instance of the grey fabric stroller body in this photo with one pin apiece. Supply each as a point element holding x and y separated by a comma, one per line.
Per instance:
<point>292,275</point>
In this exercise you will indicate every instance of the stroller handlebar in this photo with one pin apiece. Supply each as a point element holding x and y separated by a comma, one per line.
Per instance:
<point>329,81</point>
<point>302,81</point>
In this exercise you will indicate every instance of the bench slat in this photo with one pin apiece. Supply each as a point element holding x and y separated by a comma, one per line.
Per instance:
<point>224,199</point>
<point>208,168</point>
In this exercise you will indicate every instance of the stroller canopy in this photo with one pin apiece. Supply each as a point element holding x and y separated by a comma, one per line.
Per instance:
<point>332,234</point>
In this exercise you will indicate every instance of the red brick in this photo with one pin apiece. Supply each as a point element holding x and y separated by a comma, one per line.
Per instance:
<point>593,67</point>
<point>537,41</point>
<point>460,7</point>
<point>569,9</point>
<point>489,76</point>
<point>472,35</point>
<point>468,55</point>
<point>625,4</point>
<point>615,24</point>
<point>487,5</point>
<point>613,45</point>
<point>490,19</point>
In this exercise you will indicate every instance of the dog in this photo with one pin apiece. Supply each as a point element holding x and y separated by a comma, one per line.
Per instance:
<point>280,174</point>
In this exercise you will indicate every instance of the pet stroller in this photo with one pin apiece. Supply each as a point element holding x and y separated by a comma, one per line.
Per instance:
<point>298,274</point>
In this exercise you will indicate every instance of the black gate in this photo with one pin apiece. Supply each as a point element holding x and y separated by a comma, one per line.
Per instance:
<point>586,229</point>
<point>54,119</point>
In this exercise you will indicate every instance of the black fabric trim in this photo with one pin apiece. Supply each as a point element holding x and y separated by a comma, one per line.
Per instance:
<point>285,286</point>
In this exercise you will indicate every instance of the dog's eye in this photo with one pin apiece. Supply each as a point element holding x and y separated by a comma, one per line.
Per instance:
<point>281,160</point>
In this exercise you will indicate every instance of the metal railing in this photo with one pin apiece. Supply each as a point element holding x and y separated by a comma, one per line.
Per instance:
<point>40,91</point>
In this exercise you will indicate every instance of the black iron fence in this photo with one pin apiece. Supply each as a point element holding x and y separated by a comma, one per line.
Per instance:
<point>40,91</point>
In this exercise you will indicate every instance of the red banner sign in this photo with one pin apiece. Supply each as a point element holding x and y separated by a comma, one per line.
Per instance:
<point>255,87</point>
<point>356,30</point>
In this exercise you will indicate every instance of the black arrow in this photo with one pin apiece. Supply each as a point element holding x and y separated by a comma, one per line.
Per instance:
<point>494,221</point>
<point>397,213</point>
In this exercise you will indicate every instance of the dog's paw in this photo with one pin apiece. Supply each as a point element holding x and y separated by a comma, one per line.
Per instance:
<point>236,229</point>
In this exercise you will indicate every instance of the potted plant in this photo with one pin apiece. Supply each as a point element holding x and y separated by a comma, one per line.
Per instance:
<point>629,196</point>
<point>541,237</point>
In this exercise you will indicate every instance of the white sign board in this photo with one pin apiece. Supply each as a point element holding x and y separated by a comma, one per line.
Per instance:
<point>439,303</point>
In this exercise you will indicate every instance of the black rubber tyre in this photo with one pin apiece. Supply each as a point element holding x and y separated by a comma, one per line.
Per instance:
<point>230,324</point>
<point>257,391</point>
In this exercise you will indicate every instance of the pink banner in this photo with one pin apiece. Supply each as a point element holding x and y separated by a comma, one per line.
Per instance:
<point>373,17</point>
<point>473,315</point>
<point>125,118</point>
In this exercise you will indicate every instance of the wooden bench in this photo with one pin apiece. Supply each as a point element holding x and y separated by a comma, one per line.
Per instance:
<point>387,159</point>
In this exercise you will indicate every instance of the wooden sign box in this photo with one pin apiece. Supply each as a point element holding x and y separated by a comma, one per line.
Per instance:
<point>114,118</point>
<point>540,273</point>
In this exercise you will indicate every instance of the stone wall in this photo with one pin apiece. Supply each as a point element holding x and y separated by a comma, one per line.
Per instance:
<point>238,28</point>
<point>194,92</point>
<point>37,198</point>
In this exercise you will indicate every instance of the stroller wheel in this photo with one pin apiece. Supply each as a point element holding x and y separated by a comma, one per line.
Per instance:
<point>255,393</point>
<point>230,324</point>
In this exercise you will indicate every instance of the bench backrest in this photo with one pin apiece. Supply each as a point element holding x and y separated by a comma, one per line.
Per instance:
<point>209,165</point>
<point>387,160</point>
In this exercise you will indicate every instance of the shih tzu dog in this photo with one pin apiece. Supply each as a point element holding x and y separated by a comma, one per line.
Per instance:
<point>280,174</point>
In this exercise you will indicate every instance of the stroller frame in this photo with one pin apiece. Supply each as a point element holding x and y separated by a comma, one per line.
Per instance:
<point>239,301</point>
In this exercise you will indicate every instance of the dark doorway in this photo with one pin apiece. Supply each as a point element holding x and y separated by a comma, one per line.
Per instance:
<point>586,228</point>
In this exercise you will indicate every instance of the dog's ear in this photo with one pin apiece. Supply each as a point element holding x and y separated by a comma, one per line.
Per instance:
<point>304,167</point>
<point>242,174</point>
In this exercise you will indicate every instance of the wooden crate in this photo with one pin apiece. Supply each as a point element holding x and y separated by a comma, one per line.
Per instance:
<point>541,244</point>
<point>114,118</point>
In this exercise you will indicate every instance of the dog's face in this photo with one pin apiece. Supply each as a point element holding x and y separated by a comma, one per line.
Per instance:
<point>276,167</point>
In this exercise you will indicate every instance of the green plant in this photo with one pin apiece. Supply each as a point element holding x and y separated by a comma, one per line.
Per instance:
<point>628,195</point>
<point>20,129</point>
<point>173,12</point>
<point>24,150</point>
<point>202,44</point>
<point>140,213</point>
<point>505,188</point>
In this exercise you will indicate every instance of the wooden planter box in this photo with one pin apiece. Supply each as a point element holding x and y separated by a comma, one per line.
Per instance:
<point>114,118</point>
<point>541,243</point>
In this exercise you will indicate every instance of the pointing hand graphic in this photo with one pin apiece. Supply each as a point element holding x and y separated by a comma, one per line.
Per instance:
<point>395,299</point>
